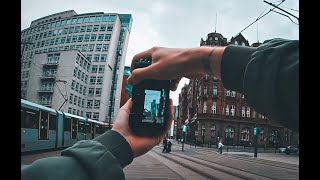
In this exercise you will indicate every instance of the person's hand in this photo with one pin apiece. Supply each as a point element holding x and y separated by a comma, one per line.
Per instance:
<point>139,145</point>
<point>171,64</point>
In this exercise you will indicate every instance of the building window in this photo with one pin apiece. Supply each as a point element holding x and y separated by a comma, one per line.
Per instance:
<point>245,135</point>
<point>214,107</point>
<point>89,28</point>
<point>96,104</point>
<point>86,38</point>
<point>103,58</point>
<point>95,116</point>
<point>213,131</point>
<point>91,92</point>
<point>93,37</point>
<point>83,29</point>
<point>107,37</point>
<point>99,79</point>
<point>228,93</point>
<point>215,90</point>
<point>103,27</point>
<point>100,37</point>
<point>248,111</point>
<point>105,47</point>
<point>79,101</point>
<point>236,42</point>
<point>98,92</point>
<point>261,135</point>
<point>96,57</point>
<point>88,115</point>
<point>110,27</point>
<point>72,84</point>
<point>94,68</point>
<point>89,103</point>
<point>71,98</point>
<point>243,111</point>
<point>101,68</point>
<point>77,29</point>
<point>204,106</point>
<point>232,110</point>
<point>93,79</point>
<point>205,90</point>
<point>69,110</point>
<point>75,99</point>
<point>98,47</point>
<point>227,110</point>
<point>91,47</point>
<point>233,94</point>
<point>95,28</point>
<point>229,132</point>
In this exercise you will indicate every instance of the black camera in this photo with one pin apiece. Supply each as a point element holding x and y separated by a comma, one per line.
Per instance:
<point>150,109</point>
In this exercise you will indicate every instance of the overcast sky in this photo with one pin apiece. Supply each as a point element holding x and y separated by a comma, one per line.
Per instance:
<point>179,23</point>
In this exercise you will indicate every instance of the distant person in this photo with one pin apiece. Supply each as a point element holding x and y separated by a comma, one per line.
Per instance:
<point>267,75</point>
<point>169,144</point>
<point>165,143</point>
<point>220,146</point>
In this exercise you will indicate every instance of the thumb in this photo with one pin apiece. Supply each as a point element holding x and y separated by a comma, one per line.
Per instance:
<point>139,75</point>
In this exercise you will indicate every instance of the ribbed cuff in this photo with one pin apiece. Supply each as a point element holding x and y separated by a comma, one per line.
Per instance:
<point>117,145</point>
<point>233,65</point>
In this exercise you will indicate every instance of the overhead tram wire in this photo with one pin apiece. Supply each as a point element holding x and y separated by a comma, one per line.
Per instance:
<point>259,17</point>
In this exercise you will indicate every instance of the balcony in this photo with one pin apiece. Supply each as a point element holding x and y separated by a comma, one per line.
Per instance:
<point>46,90</point>
<point>48,76</point>
<point>45,103</point>
<point>53,63</point>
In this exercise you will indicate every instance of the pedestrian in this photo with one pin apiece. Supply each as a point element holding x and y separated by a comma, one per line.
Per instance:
<point>220,146</point>
<point>169,144</point>
<point>165,143</point>
<point>264,74</point>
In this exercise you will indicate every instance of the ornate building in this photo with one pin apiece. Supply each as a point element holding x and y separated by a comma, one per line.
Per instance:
<point>212,112</point>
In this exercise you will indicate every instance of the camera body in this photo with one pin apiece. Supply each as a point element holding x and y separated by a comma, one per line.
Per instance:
<point>150,109</point>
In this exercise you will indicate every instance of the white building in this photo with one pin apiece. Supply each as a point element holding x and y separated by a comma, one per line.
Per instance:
<point>72,62</point>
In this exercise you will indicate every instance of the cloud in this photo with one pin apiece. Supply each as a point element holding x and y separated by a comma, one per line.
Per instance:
<point>178,24</point>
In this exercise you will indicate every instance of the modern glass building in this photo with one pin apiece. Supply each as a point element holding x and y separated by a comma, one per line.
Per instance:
<point>68,55</point>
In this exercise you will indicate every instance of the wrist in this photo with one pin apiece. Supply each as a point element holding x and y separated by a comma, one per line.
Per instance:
<point>215,61</point>
<point>212,55</point>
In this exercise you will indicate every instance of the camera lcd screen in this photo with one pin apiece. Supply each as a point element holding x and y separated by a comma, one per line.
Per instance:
<point>154,106</point>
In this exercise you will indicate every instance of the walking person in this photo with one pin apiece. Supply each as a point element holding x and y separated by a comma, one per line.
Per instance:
<point>220,146</point>
<point>164,142</point>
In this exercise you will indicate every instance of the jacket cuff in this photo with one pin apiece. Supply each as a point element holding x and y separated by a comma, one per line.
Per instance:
<point>117,145</point>
<point>233,65</point>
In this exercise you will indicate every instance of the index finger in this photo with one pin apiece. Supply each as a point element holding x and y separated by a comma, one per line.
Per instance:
<point>143,55</point>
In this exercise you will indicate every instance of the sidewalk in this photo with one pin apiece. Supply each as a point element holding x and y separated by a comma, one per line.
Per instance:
<point>267,155</point>
<point>280,157</point>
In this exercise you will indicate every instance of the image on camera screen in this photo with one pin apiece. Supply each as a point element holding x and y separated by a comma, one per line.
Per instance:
<point>154,104</point>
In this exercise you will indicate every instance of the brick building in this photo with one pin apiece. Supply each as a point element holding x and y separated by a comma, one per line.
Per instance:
<point>212,112</point>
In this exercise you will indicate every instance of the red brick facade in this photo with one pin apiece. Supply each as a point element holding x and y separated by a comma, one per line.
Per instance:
<point>231,118</point>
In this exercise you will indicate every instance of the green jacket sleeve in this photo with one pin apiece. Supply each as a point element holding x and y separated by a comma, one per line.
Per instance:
<point>101,158</point>
<point>268,76</point>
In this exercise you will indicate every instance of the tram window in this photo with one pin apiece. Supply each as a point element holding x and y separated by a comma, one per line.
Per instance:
<point>74,133</point>
<point>52,122</point>
<point>81,127</point>
<point>29,119</point>
<point>67,124</point>
<point>88,128</point>
<point>98,129</point>
<point>43,126</point>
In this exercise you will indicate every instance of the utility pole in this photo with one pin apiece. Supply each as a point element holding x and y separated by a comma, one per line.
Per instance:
<point>255,131</point>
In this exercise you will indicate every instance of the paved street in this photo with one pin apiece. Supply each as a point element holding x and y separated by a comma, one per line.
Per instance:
<point>203,163</point>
